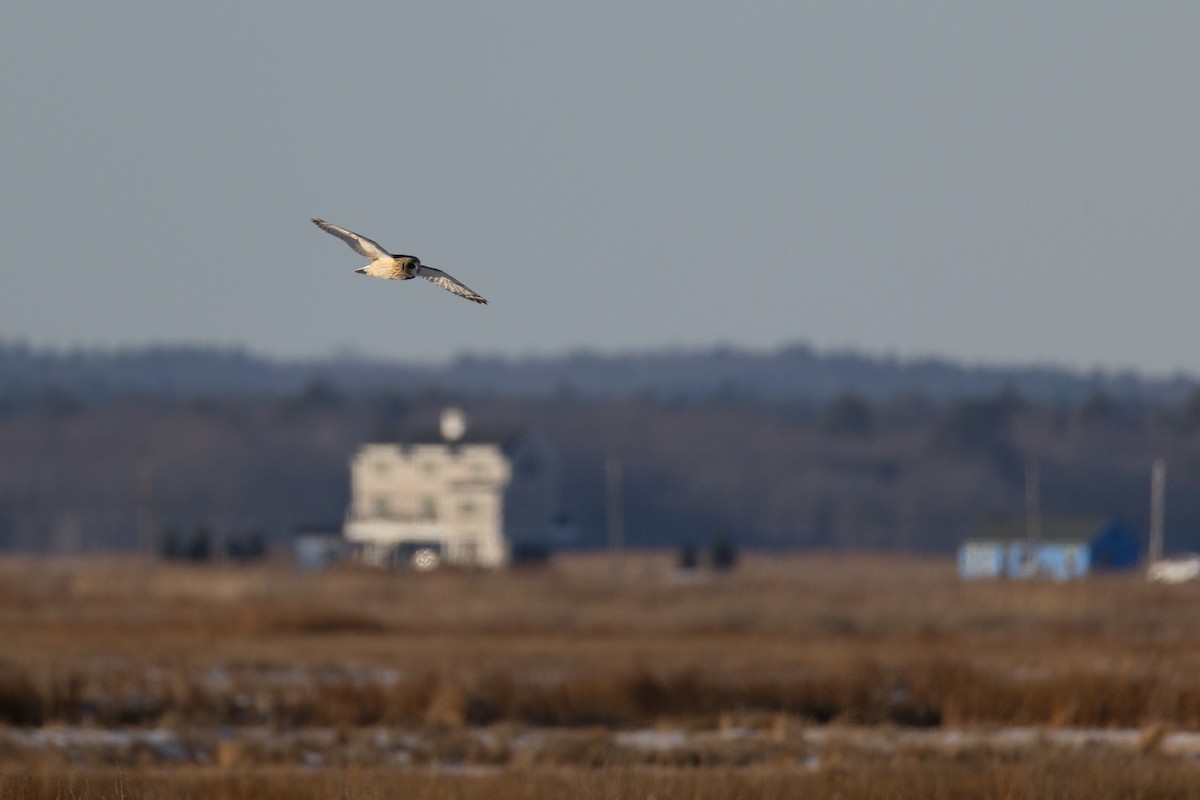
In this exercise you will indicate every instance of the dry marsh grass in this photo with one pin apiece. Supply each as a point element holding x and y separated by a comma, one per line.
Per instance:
<point>332,671</point>
<point>1043,778</point>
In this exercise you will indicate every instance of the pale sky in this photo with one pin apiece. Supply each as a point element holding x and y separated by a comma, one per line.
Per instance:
<point>1000,182</point>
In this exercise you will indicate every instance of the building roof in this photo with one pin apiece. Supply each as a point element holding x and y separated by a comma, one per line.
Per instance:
<point>1055,528</point>
<point>509,438</point>
<point>473,435</point>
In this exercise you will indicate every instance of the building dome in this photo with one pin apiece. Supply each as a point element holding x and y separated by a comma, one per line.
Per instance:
<point>453,424</point>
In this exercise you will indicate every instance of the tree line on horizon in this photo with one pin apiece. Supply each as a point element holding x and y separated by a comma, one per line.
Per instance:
<point>29,376</point>
<point>906,471</point>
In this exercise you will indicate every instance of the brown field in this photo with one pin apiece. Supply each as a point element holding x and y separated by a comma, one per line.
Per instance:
<point>852,676</point>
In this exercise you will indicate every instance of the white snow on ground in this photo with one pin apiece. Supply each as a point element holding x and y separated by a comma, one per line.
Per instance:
<point>317,746</point>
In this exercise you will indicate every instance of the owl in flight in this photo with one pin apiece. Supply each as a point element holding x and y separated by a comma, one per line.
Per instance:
<point>396,267</point>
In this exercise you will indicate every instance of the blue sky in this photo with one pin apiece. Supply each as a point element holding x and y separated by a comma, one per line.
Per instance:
<point>1009,182</point>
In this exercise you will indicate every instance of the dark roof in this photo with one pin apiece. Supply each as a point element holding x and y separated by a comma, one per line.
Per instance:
<point>1056,528</point>
<point>508,439</point>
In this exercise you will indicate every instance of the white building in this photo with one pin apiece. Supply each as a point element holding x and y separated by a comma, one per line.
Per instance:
<point>451,500</point>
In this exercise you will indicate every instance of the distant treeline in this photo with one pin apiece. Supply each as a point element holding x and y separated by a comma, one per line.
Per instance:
<point>30,377</point>
<point>96,461</point>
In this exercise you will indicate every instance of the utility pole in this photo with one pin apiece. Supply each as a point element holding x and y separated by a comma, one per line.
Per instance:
<point>1158,485</point>
<point>1033,510</point>
<point>616,526</point>
<point>144,524</point>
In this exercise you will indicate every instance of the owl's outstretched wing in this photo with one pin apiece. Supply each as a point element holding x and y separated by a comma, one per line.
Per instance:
<point>360,244</point>
<point>449,283</point>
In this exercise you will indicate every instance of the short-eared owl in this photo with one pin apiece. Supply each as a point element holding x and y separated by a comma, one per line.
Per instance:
<point>396,267</point>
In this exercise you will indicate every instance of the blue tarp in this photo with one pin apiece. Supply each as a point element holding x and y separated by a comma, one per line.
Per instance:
<point>1115,547</point>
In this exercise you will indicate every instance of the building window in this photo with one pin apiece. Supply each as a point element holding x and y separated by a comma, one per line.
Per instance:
<point>429,508</point>
<point>383,509</point>
<point>468,508</point>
